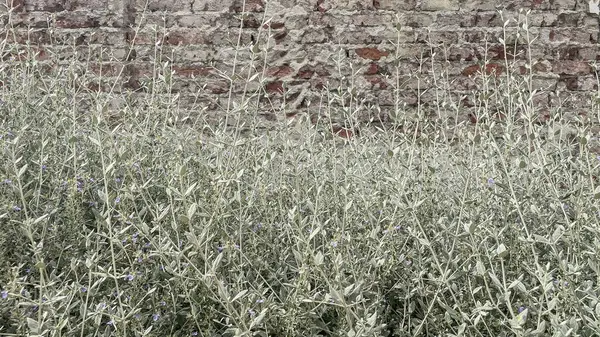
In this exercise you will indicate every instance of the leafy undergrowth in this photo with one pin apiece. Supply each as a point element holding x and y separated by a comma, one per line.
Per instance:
<point>131,231</point>
<point>138,225</point>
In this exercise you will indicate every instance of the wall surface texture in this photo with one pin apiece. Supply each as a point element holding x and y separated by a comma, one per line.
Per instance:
<point>394,53</point>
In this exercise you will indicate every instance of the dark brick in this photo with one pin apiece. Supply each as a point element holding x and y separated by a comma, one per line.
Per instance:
<point>74,20</point>
<point>275,87</point>
<point>571,82</point>
<point>306,72</point>
<point>248,6</point>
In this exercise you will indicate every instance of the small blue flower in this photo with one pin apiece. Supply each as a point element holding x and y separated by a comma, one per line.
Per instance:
<point>129,277</point>
<point>195,333</point>
<point>491,182</point>
<point>4,294</point>
<point>260,301</point>
<point>117,200</point>
<point>521,309</point>
<point>7,181</point>
<point>83,289</point>
<point>16,208</point>
<point>155,317</point>
<point>334,244</point>
<point>111,323</point>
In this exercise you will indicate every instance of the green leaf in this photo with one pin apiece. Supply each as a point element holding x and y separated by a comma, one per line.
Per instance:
<point>256,321</point>
<point>470,227</point>
<point>216,263</point>
<point>313,233</point>
<point>520,319</point>
<point>33,326</point>
<point>22,170</point>
<point>541,329</point>
<point>109,168</point>
<point>239,295</point>
<point>495,280</point>
<point>318,259</point>
<point>192,210</point>
<point>190,189</point>
<point>40,218</point>
<point>501,251</point>
<point>95,141</point>
<point>372,320</point>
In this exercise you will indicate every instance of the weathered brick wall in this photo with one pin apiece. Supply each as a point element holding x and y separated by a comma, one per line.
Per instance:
<point>386,49</point>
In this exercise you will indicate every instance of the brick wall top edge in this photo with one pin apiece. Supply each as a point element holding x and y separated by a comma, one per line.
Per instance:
<point>309,34</point>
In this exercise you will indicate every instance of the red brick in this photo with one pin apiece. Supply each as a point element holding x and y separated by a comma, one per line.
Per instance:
<point>343,132</point>
<point>490,68</point>
<point>306,72</point>
<point>373,69</point>
<point>275,87</point>
<point>279,36</point>
<point>281,71</point>
<point>498,52</point>
<point>371,53</point>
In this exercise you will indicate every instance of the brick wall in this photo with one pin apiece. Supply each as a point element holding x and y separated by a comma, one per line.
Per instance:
<point>381,52</point>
